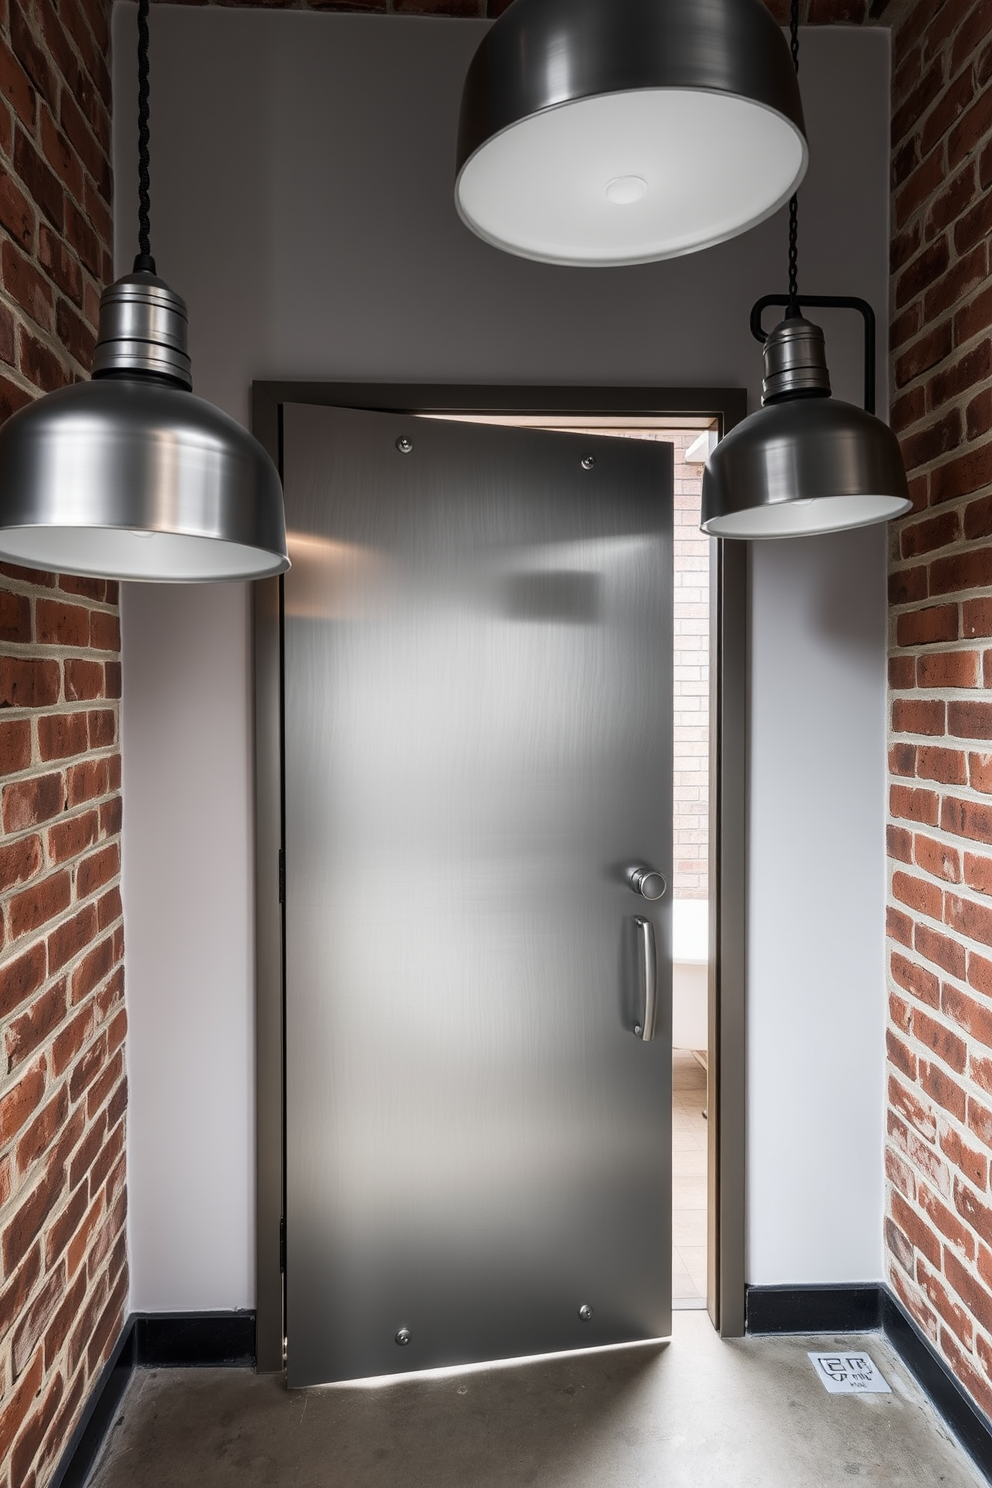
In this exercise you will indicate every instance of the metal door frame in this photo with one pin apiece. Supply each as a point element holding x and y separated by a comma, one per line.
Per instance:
<point>728,822</point>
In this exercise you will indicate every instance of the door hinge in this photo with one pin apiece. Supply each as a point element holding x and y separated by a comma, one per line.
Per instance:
<point>282,1245</point>
<point>282,876</point>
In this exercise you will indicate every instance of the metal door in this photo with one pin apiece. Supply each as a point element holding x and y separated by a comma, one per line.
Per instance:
<point>478,725</point>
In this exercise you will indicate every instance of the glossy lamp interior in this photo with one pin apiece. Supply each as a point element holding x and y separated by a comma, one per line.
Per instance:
<point>607,132</point>
<point>805,463</point>
<point>130,476</point>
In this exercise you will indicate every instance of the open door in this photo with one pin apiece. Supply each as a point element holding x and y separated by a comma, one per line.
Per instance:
<point>477,755</point>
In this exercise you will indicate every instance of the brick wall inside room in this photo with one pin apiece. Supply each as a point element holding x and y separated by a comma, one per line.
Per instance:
<point>939,1199</point>
<point>63,1271</point>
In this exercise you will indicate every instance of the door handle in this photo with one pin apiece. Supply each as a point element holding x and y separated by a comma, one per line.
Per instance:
<point>646,881</point>
<point>649,979</point>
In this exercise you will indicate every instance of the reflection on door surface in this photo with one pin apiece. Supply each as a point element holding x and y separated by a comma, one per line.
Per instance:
<point>477,747</point>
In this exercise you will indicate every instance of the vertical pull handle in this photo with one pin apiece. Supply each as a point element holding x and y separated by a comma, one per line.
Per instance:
<point>649,979</point>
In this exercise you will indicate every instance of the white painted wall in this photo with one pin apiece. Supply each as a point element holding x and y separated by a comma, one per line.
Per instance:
<point>302,204</point>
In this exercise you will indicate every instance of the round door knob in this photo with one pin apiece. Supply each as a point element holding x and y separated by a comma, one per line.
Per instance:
<point>646,882</point>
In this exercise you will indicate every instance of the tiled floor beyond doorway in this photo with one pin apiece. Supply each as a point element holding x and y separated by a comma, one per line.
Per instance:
<point>688,1180</point>
<point>696,1413</point>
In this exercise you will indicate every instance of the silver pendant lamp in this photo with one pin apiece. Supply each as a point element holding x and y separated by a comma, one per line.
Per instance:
<point>130,476</point>
<point>806,462</point>
<point>598,132</point>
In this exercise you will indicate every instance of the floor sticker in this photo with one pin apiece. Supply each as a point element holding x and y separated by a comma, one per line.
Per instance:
<point>849,1374</point>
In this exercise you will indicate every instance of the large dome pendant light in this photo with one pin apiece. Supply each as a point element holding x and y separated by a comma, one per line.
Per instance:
<point>130,476</point>
<point>603,132</point>
<point>805,463</point>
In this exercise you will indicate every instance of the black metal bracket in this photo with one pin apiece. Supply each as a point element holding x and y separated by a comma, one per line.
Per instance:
<point>827,302</point>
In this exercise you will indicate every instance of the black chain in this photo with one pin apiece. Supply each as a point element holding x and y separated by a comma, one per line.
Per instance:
<point>144,261</point>
<point>794,203</point>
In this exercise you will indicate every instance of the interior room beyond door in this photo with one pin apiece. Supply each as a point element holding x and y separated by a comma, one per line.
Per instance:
<point>478,727</point>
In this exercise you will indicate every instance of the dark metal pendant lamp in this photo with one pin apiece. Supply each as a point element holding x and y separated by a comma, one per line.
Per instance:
<point>130,476</point>
<point>805,463</point>
<point>597,132</point>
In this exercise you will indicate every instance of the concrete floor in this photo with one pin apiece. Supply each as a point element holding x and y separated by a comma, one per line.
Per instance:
<point>697,1413</point>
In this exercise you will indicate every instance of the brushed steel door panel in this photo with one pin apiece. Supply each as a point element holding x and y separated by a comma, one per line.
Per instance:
<point>477,744</point>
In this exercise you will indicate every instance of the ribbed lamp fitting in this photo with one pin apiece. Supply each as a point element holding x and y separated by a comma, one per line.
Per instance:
<point>795,362</point>
<point>143,329</point>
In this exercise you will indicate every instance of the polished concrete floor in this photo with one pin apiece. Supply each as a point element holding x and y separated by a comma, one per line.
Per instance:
<point>688,1180</point>
<point>697,1413</point>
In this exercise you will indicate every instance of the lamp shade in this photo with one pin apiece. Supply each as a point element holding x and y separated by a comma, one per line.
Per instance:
<point>801,467</point>
<point>598,132</point>
<point>130,476</point>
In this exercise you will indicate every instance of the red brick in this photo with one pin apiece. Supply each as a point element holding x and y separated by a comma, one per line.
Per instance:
<point>937,858</point>
<point>62,624</point>
<point>26,682</point>
<point>959,477</point>
<point>898,926</point>
<point>84,680</point>
<point>916,980</point>
<point>946,765</point>
<point>919,716</point>
<point>20,978</point>
<point>73,836</point>
<point>38,1137</point>
<point>972,819</point>
<point>980,772</point>
<point>900,1055</point>
<point>95,966</point>
<point>70,1041</point>
<point>899,844</point>
<point>969,720</point>
<point>980,1120</point>
<point>18,1404</point>
<point>908,586</point>
<point>102,729</point>
<point>974,1165</point>
<point>902,755</point>
<point>98,869</point>
<point>968,570</point>
<point>936,344</point>
<point>969,918</point>
<point>956,1317</point>
<point>33,1209</point>
<point>21,1101</point>
<point>87,781</point>
<point>20,860</point>
<point>40,902</point>
<point>105,631</point>
<point>62,735</point>
<point>912,1110</point>
<point>932,533</point>
<point>72,936</point>
<point>61,266</point>
<point>15,745</point>
<point>902,674</point>
<point>35,1430</point>
<point>941,1088</point>
<point>900,1174</point>
<point>978,873</point>
<point>948,669</point>
<point>927,627</point>
<point>941,1041</point>
<point>24,1034</point>
<point>918,894</point>
<point>940,949</point>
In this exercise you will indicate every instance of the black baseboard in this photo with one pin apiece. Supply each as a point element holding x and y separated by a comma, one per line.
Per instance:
<point>970,1425</point>
<point>866,1309</point>
<point>98,1415</point>
<point>813,1309</point>
<point>153,1340</point>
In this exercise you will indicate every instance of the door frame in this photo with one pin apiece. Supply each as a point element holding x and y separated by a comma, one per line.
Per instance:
<point>728,827</point>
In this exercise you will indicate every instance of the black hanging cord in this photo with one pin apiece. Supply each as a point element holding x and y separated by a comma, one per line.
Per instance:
<point>793,307</point>
<point>143,263</point>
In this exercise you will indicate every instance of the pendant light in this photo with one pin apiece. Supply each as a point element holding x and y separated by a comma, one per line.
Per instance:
<point>598,132</point>
<point>805,463</point>
<point>129,475</point>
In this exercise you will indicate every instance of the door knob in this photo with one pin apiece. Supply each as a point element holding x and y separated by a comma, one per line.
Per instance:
<point>646,882</point>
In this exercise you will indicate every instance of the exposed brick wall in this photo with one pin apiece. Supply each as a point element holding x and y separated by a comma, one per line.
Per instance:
<point>811,12</point>
<point>939,1215</point>
<point>63,1265</point>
